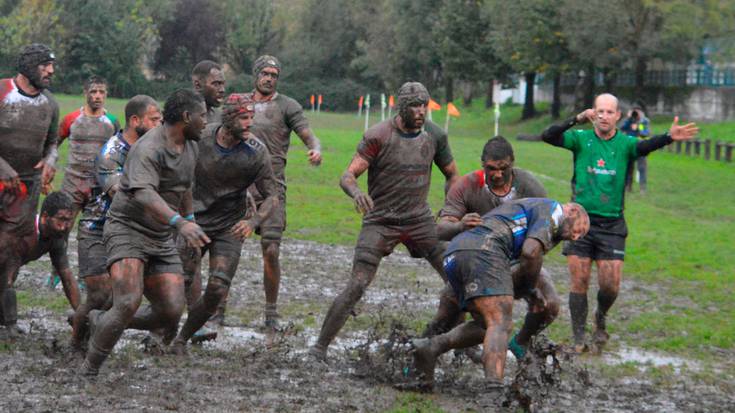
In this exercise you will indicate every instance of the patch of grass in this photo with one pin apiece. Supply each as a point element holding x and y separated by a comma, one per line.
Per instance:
<point>50,301</point>
<point>414,403</point>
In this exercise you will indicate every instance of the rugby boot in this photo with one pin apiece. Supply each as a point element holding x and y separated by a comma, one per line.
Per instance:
<point>518,350</point>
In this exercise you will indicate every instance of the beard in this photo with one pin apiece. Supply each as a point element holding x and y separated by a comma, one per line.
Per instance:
<point>409,122</point>
<point>36,79</point>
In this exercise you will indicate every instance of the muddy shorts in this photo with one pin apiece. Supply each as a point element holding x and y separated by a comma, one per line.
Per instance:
<point>378,240</point>
<point>92,254</point>
<point>271,229</point>
<point>604,241</point>
<point>18,213</point>
<point>78,189</point>
<point>160,256</point>
<point>223,244</point>
<point>478,273</point>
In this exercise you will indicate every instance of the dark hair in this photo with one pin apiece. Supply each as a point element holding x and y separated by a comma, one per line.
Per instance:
<point>55,202</point>
<point>177,103</point>
<point>137,106</point>
<point>202,69</point>
<point>496,149</point>
<point>94,80</point>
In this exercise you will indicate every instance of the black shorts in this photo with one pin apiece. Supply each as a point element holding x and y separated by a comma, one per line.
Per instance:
<point>223,244</point>
<point>160,256</point>
<point>604,241</point>
<point>78,189</point>
<point>479,273</point>
<point>92,254</point>
<point>379,240</point>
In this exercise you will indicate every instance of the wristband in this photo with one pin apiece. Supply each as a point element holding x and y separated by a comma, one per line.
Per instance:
<point>174,219</point>
<point>189,217</point>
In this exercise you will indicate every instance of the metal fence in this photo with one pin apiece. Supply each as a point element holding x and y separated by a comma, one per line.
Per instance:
<point>694,75</point>
<point>706,148</point>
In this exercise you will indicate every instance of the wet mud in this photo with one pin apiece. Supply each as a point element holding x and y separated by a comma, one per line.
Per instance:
<point>249,369</point>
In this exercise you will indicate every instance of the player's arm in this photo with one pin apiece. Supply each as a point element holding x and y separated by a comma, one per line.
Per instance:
<point>187,204</point>
<point>676,133</point>
<point>161,212</point>
<point>450,174</point>
<point>50,153</point>
<point>348,183</point>
<point>554,135</point>
<point>532,256</point>
<point>109,172</point>
<point>312,142</point>
<point>60,263</point>
<point>448,226</point>
<point>267,187</point>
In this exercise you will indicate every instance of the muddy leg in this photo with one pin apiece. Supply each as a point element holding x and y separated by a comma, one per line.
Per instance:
<point>538,318</point>
<point>579,271</point>
<point>191,262</point>
<point>447,316</point>
<point>99,292</point>
<point>126,277</point>
<point>497,314</point>
<point>222,269</point>
<point>165,292</point>
<point>271,279</point>
<point>363,272</point>
<point>610,272</point>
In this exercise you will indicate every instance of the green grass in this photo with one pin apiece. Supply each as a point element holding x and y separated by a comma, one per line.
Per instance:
<point>680,233</point>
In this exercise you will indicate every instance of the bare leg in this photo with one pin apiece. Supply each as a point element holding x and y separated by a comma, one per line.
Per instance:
<point>580,269</point>
<point>271,279</point>
<point>363,273</point>
<point>497,314</point>
<point>126,277</point>
<point>538,318</point>
<point>99,291</point>
<point>165,292</point>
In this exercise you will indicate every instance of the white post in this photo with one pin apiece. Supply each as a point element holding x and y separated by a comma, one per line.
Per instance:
<point>367,112</point>
<point>497,118</point>
<point>446,122</point>
<point>359,109</point>
<point>382,107</point>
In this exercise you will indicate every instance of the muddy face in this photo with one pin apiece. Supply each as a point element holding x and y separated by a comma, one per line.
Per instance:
<point>267,81</point>
<point>213,89</point>
<point>414,115</point>
<point>96,96</point>
<point>498,173</point>
<point>150,120</point>
<point>41,78</point>
<point>58,225</point>
<point>197,121</point>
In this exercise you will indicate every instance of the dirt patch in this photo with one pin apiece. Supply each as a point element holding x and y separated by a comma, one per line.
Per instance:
<point>238,373</point>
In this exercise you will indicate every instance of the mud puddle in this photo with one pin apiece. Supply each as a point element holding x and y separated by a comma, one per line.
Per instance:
<point>248,370</point>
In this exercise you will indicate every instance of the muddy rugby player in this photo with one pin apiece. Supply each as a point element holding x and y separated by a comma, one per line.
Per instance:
<point>29,117</point>
<point>474,195</point>
<point>398,154</point>
<point>155,191</point>
<point>142,114</point>
<point>230,160</point>
<point>208,79</point>
<point>276,116</point>
<point>47,234</point>
<point>477,263</point>
<point>601,157</point>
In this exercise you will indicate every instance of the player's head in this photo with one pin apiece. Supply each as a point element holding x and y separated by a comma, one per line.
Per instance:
<point>36,63</point>
<point>208,79</point>
<point>237,114</point>
<point>576,222</point>
<point>413,100</point>
<point>95,92</point>
<point>57,215</point>
<point>142,114</point>
<point>186,107</point>
<point>497,162</point>
<point>266,71</point>
<point>607,113</point>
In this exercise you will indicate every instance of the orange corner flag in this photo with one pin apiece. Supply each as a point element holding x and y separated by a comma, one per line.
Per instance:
<point>320,99</point>
<point>433,105</point>
<point>312,100</point>
<point>452,110</point>
<point>359,103</point>
<point>391,101</point>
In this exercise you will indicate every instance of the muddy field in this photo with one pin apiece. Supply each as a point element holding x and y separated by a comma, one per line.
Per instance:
<point>238,372</point>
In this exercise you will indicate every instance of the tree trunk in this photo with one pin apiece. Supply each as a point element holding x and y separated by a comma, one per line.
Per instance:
<point>489,101</point>
<point>467,90</point>
<point>609,81</point>
<point>556,98</point>
<point>449,89</point>
<point>529,109</point>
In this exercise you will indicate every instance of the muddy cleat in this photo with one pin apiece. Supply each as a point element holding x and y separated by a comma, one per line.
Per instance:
<point>518,350</point>
<point>599,339</point>
<point>424,361</point>
<point>53,281</point>
<point>88,371</point>
<point>178,348</point>
<point>318,353</point>
<point>204,334</point>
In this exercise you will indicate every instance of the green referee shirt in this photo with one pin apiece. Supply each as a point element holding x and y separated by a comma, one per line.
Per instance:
<point>599,170</point>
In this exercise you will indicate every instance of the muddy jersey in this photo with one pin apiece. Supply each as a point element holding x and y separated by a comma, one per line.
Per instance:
<point>472,194</point>
<point>108,167</point>
<point>28,130</point>
<point>274,121</point>
<point>510,224</point>
<point>34,246</point>
<point>222,177</point>
<point>214,115</point>
<point>86,135</point>
<point>152,165</point>
<point>399,174</point>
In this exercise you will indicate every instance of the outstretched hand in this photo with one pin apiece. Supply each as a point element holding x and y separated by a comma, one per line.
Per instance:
<point>683,132</point>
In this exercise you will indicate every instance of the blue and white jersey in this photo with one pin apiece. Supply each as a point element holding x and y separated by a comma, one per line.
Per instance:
<point>510,224</point>
<point>109,168</point>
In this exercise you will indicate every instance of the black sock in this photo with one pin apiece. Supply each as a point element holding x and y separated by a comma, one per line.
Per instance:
<point>605,300</point>
<point>578,311</point>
